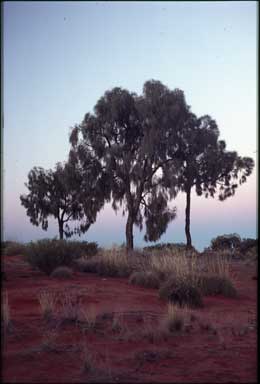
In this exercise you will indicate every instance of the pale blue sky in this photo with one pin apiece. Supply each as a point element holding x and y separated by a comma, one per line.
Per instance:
<point>60,57</point>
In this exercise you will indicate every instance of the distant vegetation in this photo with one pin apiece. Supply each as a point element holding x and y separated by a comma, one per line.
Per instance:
<point>139,152</point>
<point>181,275</point>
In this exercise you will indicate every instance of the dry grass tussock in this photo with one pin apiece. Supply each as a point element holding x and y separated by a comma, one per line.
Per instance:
<point>48,302</point>
<point>178,263</point>
<point>114,262</point>
<point>176,318</point>
<point>148,279</point>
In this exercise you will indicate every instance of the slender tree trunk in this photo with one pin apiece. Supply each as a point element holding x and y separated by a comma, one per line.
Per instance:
<point>129,232</point>
<point>61,229</point>
<point>187,218</point>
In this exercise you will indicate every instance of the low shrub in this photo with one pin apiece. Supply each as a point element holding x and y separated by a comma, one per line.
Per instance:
<point>214,285</point>
<point>90,265</point>
<point>147,279</point>
<point>182,292</point>
<point>62,273</point>
<point>248,244</point>
<point>47,254</point>
<point>165,246</point>
<point>229,242</point>
<point>13,248</point>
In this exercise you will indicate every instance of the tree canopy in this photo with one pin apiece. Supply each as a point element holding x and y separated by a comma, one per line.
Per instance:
<point>129,135</point>
<point>139,152</point>
<point>204,163</point>
<point>69,195</point>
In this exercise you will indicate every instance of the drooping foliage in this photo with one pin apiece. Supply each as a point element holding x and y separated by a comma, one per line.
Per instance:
<point>129,135</point>
<point>204,163</point>
<point>66,193</point>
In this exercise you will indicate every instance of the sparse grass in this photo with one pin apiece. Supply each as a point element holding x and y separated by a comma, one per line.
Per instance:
<point>62,273</point>
<point>48,303</point>
<point>5,313</point>
<point>69,307</point>
<point>88,360</point>
<point>149,279</point>
<point>13,248</point>
<point>117,325</point>
<point>89,317</point>
<point>49,340</point>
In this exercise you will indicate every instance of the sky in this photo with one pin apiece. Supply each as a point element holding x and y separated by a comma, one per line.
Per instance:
<point>60,57</point>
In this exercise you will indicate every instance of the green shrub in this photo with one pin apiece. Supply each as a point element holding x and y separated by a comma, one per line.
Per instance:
<point>214,285</point>
<point>13,248</point>
<point>147,279</point>
<point>62,273</point>
<point>182,292</point>
<point>47,254</point>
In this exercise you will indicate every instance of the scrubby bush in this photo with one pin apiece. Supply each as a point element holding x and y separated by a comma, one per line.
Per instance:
<point>90,265</point>
<point>62,273</point>
<point>248,244</point>
<point>13,248</point>
<point>168,247</point>
<point>182,292</point>
<point>147,279</point>
<point>213,285</point>
<point>47,254</point>
<point>229,242</point>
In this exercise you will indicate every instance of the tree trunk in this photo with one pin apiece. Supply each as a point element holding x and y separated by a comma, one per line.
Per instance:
<point>61,229</point>
<point>187,218</point>
<point>129,232</point>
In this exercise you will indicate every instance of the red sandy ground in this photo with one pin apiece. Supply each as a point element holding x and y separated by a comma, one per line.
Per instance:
<point>192,356</point>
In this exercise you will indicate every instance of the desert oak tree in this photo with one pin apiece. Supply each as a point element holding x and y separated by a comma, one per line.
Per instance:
<point>65,193</point>
<point>204,163</point>
<point>128,135</point>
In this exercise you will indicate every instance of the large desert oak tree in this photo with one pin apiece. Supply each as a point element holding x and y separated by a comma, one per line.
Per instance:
<point>128,135</point>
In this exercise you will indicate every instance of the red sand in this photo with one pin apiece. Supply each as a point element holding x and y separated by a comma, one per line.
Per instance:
<point>192,356</point>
